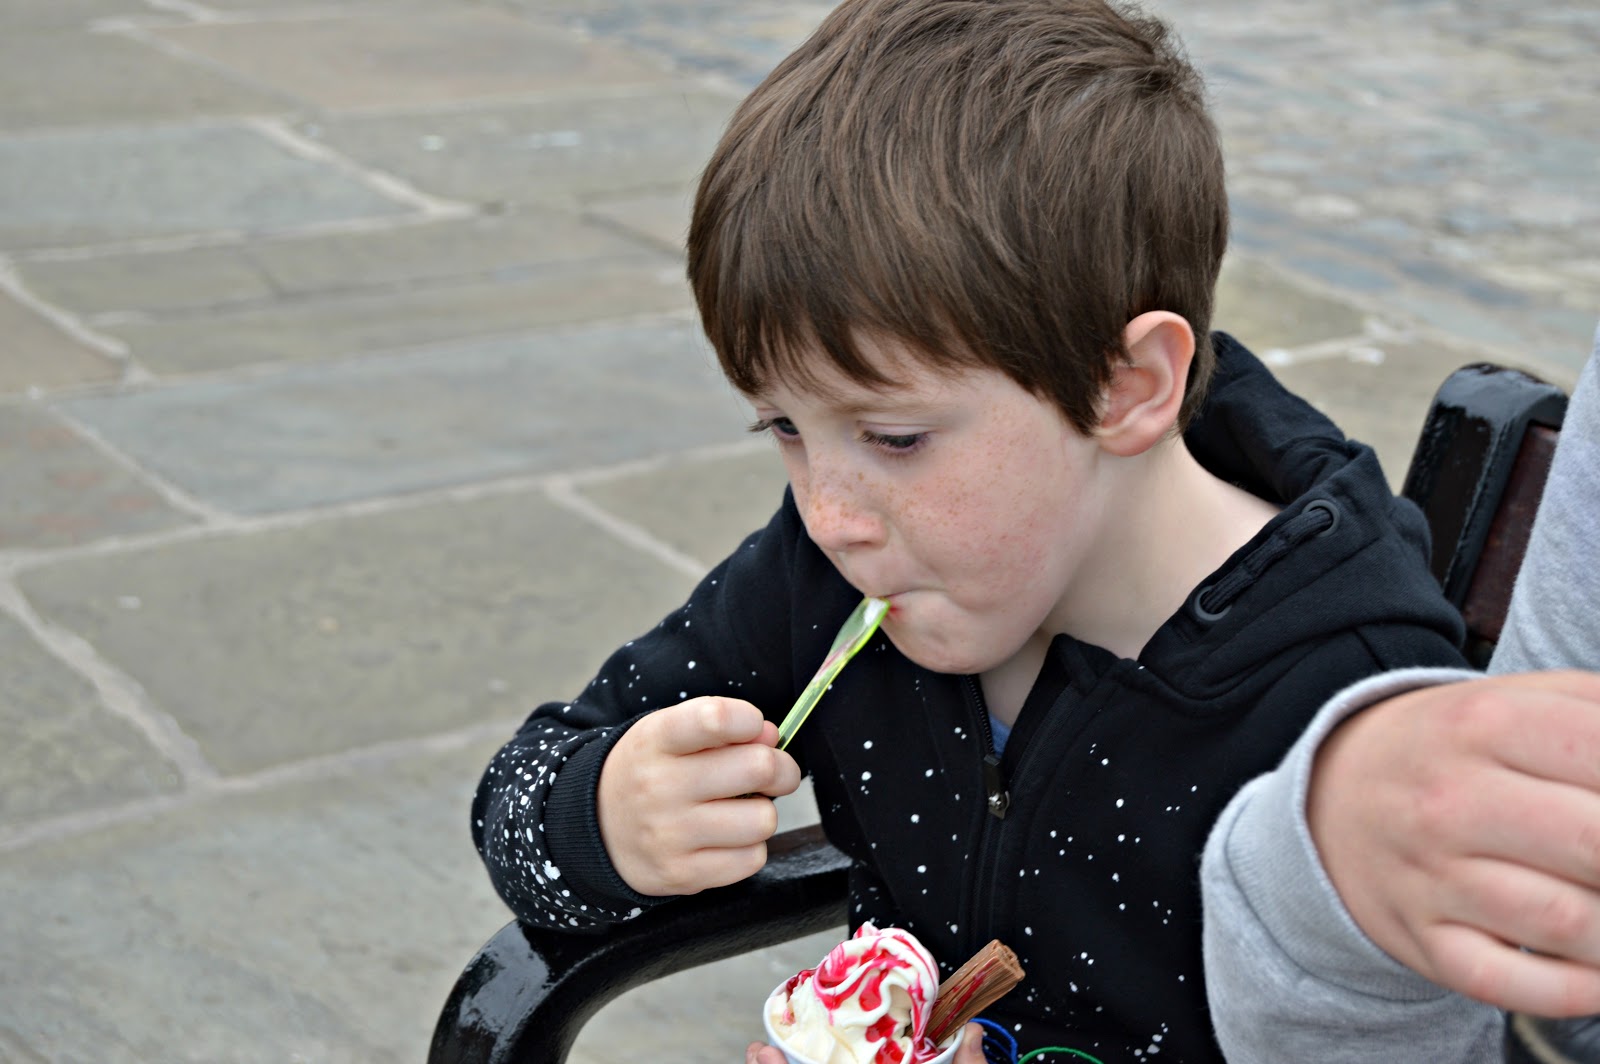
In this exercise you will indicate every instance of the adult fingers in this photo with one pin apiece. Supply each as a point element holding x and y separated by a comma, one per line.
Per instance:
<point>1548,724</point>
<point>1489,970</point>
<point>1548,826</point>
<point>1525,907</point>
<point>1580,683</point>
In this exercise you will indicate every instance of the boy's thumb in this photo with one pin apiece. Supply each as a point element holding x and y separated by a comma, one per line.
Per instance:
<point>971,1051</point>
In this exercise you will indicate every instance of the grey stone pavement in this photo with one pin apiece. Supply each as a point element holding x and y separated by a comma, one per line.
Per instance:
<point>351,403</point>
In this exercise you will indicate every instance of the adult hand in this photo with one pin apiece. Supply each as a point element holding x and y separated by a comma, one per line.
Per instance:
<point>685,796</point>
<point>1460,823</point>
<point>971,1051</point>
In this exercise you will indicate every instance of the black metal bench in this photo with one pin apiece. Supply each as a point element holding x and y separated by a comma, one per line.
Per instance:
<point>1478,472</point>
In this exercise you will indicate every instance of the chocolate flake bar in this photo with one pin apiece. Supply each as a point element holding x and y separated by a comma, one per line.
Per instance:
<point>983,980</point>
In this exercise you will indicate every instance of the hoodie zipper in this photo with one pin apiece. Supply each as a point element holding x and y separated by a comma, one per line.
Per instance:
<point>996,798</point>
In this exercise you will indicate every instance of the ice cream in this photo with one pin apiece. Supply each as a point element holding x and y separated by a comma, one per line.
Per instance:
<point>868,1002</point>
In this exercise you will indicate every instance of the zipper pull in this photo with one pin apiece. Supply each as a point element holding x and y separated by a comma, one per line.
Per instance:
<point>999,799</point>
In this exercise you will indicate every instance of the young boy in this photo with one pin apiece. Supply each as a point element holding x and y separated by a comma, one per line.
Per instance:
<point>960,256</point>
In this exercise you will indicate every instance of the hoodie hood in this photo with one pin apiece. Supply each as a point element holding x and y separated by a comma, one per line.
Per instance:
<point>1326,564</point>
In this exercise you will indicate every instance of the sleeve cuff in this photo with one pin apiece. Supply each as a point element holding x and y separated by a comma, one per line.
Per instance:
<point>572,833</point>
<point>1268,846</point>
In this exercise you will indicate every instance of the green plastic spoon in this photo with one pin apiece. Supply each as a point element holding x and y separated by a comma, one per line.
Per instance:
<point>857,629</point>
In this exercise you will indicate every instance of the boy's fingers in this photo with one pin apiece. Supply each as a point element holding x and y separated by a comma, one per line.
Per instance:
<point>731,822</point>
<point>747,768</point>
<point>971,1051</point>
<point>783,779</point>
<point>691,871</point>
<point>719,867</point>
<point>707,723</point>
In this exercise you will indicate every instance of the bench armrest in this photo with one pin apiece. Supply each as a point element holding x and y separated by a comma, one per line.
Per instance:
<point>528,992</point>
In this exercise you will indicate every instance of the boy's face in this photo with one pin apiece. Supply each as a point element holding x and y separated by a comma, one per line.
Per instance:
<point>967,502</point>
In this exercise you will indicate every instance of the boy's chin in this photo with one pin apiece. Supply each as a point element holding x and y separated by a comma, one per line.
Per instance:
<point>935,658</point>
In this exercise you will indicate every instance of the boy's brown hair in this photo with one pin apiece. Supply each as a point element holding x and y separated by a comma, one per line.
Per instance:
<point>1001,183</point>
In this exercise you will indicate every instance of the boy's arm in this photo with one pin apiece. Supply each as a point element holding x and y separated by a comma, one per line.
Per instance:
<point>548,835</point>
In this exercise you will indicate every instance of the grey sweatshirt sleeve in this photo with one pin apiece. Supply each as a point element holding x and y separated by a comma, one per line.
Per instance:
<point>1554,617</point>
<point>1290,975</point>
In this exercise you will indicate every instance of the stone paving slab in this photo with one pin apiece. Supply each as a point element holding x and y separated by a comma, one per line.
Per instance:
<point>64,753</point>
<point>1432,290</point>
<point>735,41</point>
<point>321,920</point>
<point>1378,391</point>
<point>305,641</point>
<point>34,353</point>
<point>1266,308</point>
<point>58,490</point>
<point>362,323</point>
<point>728,498</point>
<point>392,59</point>
<point>662,217</point>
<point>536,403</point>
<point>554,151</point>
<point>65,14</point>
<point>152,282</point>
<point>321,8</point>
<point>332,295</point>
<point>1416,154</point>
<point>128,183</point>
<point>52,78</point>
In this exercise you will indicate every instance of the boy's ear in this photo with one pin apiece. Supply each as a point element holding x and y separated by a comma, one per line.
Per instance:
<point>1141,404</point>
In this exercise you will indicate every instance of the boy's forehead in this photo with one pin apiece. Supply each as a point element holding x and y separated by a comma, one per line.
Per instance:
<point>906,375</point>
<point>907,383</point>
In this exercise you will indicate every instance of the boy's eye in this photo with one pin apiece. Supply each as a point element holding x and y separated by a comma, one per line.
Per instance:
<point>894,443</point>
<point>780,427</point>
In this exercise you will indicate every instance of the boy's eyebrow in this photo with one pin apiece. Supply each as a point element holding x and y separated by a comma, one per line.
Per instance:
<point>886,401</point>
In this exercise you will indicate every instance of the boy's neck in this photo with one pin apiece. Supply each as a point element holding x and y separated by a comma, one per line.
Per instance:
<point>1183,523</point>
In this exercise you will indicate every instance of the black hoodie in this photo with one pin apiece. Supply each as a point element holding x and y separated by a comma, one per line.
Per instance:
<point>1080,847</point>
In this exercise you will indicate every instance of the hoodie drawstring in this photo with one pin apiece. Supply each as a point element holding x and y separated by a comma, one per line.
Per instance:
<point>1318,518</point>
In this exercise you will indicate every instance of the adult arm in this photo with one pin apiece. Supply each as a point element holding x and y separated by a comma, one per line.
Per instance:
<point>1554,618</point>
<point>1456,822</point>
<point>1289,974</point>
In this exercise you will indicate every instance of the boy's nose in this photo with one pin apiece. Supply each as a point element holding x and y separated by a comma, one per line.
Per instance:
<point>837,513</point>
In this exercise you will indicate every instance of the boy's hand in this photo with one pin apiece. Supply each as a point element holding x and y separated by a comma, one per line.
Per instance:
<point>971,1051</point>
<point>1462,822</point>
<point>681,801</point>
